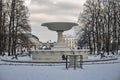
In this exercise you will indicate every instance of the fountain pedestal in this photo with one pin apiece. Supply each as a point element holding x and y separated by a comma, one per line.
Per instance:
<point>60,38</point>
<point>60,45</point>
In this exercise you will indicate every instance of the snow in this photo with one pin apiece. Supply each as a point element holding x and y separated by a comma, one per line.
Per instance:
<point>93,57</point>
<point>59,72</point>
<point>19,58</point>
<point>90,72</point>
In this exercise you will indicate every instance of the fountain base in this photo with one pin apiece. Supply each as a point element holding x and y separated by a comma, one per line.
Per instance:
<point>56,54</point>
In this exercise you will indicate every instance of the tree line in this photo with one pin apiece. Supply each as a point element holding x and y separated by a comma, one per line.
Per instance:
<point>14,23</point>
<point>101,21</point>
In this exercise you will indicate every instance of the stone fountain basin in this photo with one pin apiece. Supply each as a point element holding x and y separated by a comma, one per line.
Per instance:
<point>59,26</point>
<point>56,54</point>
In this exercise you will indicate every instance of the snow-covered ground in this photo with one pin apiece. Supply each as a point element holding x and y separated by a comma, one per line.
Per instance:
<point>19,58</point>
<point>89,72</point>
<point>59,72</point>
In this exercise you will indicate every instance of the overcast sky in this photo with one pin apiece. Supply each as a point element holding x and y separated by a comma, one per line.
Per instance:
<point>52,11</point>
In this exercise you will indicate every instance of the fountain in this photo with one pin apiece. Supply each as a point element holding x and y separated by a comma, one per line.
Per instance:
<point>60,48</point>
<point>60,27</point>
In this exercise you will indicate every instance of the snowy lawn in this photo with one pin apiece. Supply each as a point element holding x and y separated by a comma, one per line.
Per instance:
<point>58,72</point>
<point>89,72</point>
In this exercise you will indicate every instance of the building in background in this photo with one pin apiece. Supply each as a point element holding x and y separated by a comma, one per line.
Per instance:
<point>27,42</point>
<point>70,41</point>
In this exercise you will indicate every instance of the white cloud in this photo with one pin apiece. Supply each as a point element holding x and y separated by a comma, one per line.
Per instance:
<point>52,10</point>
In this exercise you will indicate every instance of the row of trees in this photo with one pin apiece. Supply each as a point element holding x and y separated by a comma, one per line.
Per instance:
<point>13,24</point>
<point>101,21</point>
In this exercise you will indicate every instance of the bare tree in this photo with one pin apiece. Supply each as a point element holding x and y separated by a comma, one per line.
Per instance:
<point>13,21</point>
<point>1,26</point>
<point>101,21</point>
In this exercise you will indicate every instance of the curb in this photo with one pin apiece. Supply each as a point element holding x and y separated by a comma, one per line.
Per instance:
<point>51,61</point>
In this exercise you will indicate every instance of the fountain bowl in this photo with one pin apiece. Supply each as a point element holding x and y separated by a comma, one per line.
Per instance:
<point>59,26</point>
